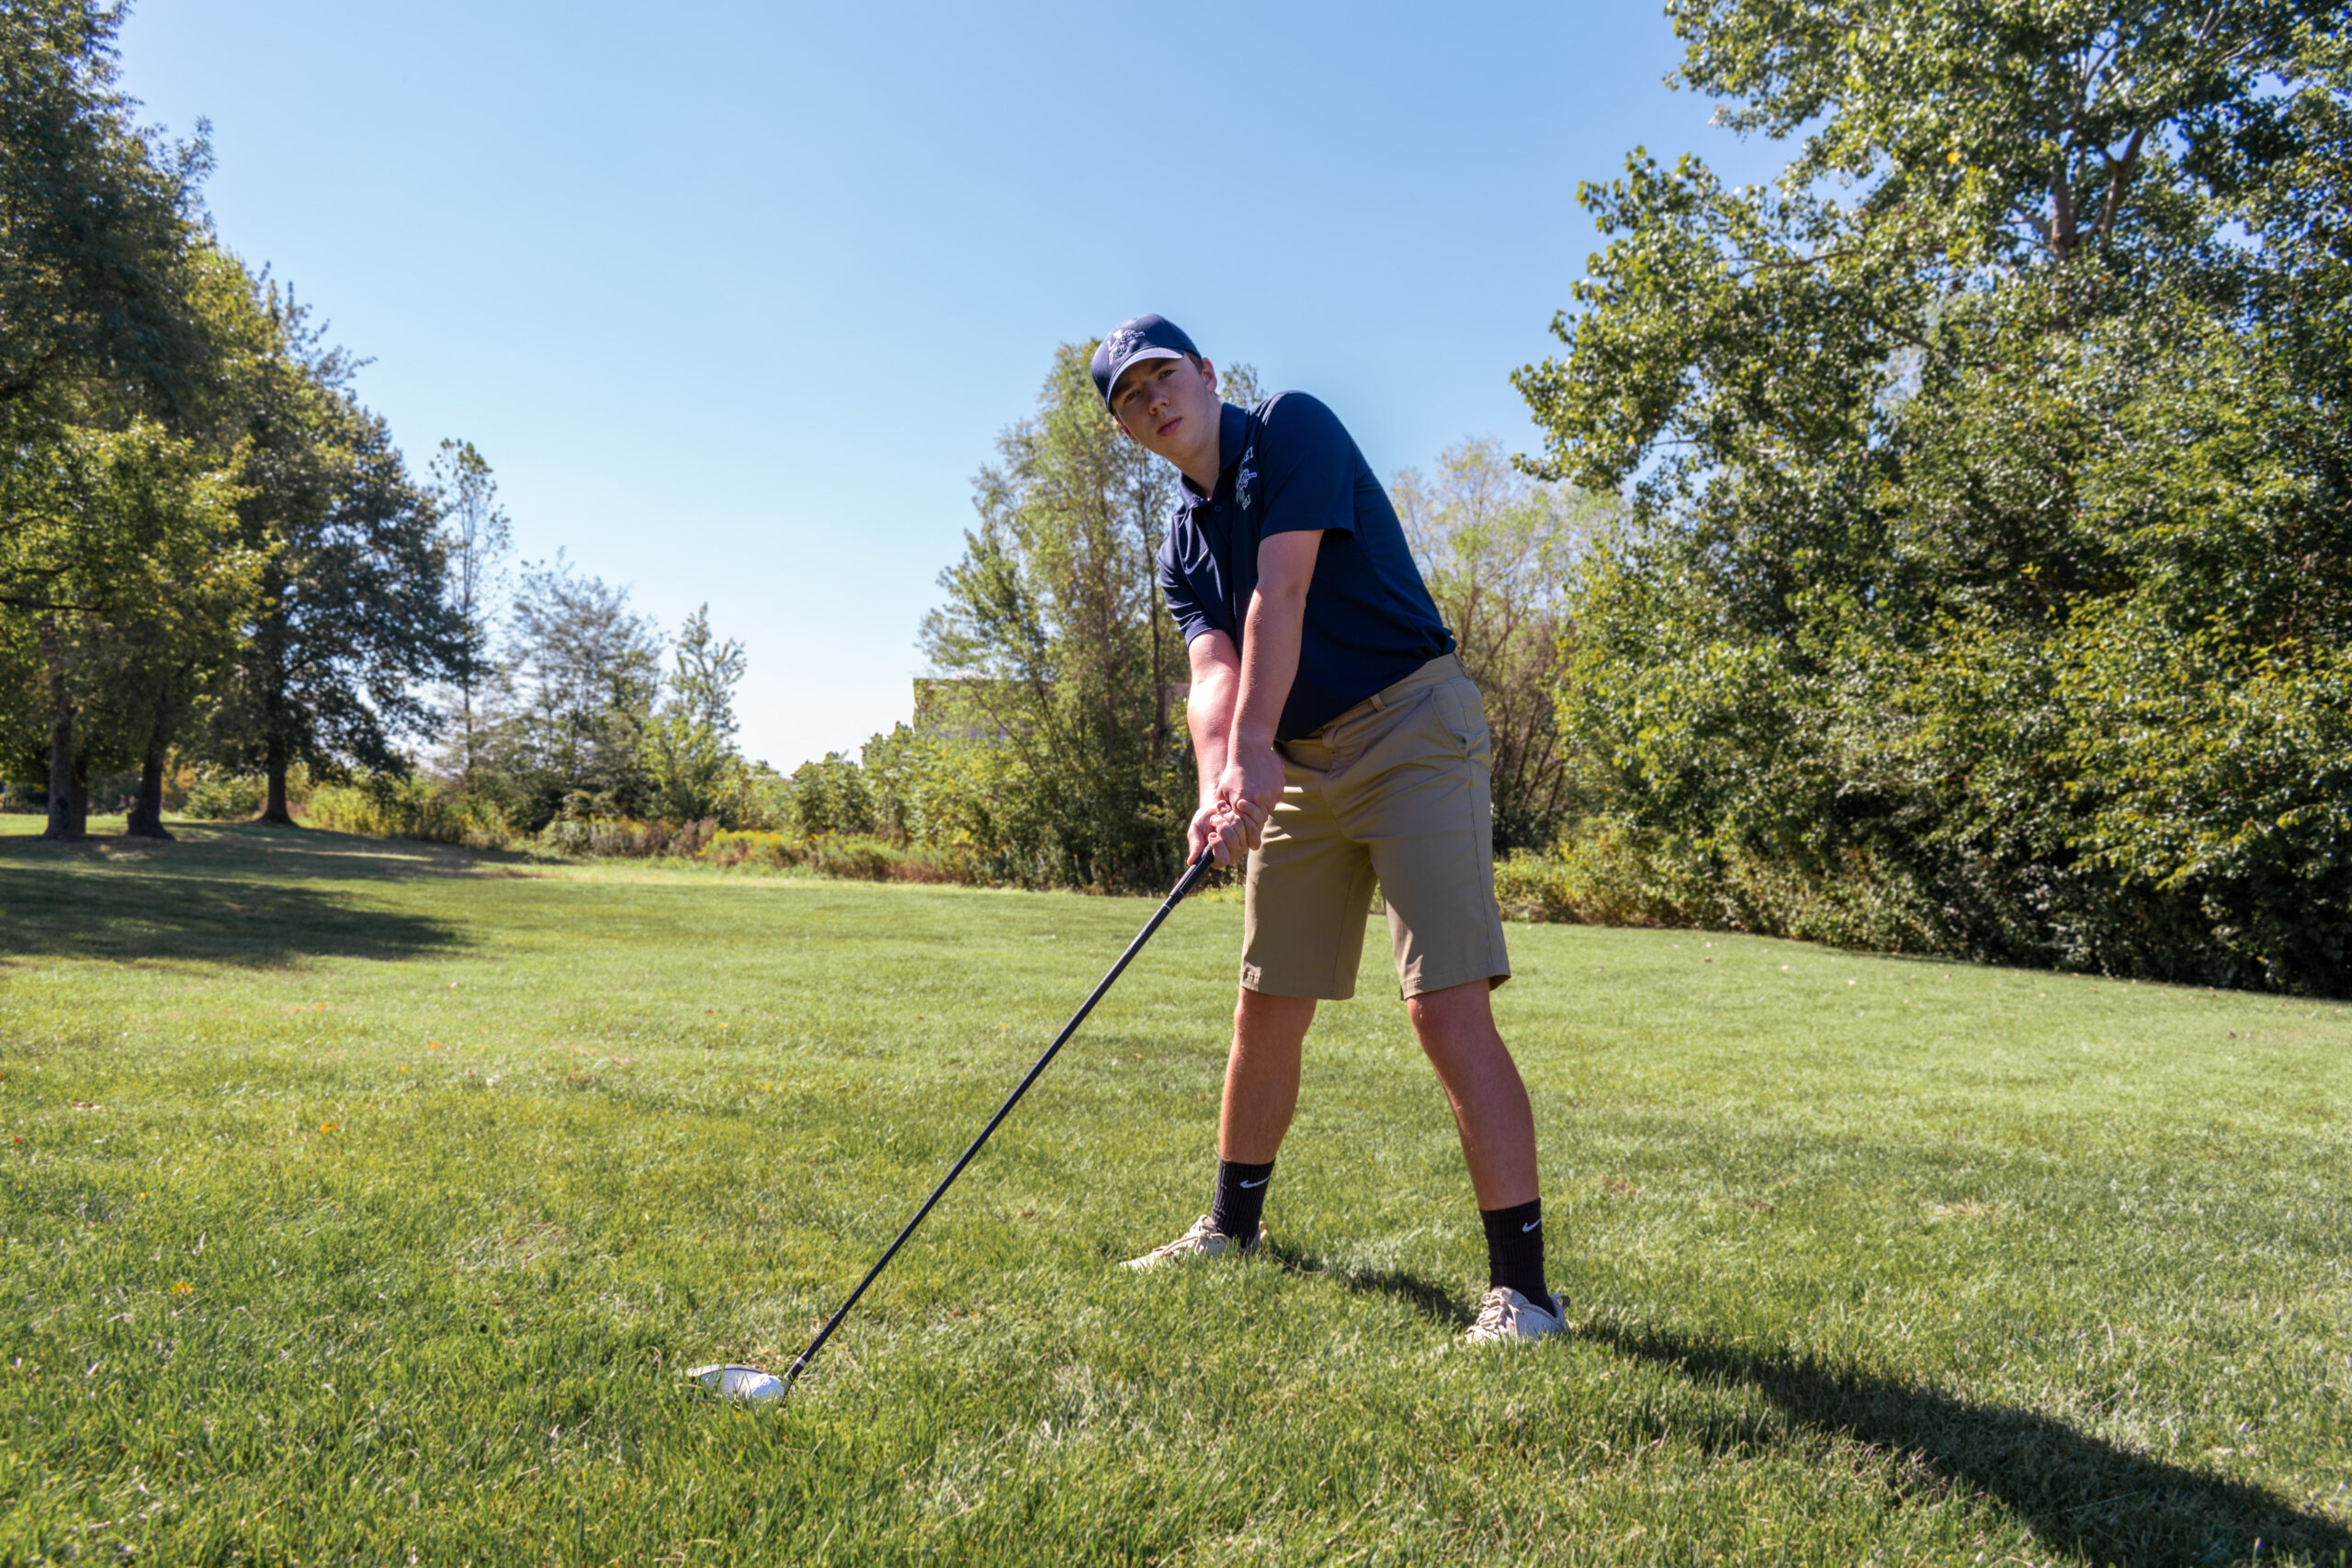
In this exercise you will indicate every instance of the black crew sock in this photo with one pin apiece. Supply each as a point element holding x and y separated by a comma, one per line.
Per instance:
<point>1240,1198</point>
<point>1515,1250</point>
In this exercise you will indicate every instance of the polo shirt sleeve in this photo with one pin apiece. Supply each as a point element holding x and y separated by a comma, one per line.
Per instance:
<point>1192,620</point>
<point>1308,463</point>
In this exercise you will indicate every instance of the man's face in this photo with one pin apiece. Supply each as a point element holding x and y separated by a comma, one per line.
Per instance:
<point>1170,406</point>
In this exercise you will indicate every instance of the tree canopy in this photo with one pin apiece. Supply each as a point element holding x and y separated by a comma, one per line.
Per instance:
<point>1987,576</point>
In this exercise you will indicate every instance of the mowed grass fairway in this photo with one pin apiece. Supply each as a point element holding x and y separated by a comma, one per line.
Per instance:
<point>364,1201</point>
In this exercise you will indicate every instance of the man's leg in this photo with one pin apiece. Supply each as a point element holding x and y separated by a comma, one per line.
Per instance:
<point>1456,1027</point>
<point>1307,893</point>
<point>1261,1074</point>
<point>1260,1092</point>
<point>1416,794</point>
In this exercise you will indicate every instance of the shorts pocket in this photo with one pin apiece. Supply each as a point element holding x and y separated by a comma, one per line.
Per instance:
<point>1462,712</point>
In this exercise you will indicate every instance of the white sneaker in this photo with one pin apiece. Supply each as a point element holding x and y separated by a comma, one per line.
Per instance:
<point>1506,1316</point>
<point>1204,1240</point>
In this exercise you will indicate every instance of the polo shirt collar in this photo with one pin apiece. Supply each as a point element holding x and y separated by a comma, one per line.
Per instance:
<point>1233,427</point>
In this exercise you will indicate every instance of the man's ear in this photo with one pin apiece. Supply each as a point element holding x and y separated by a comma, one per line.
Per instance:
<point>1208,372</point>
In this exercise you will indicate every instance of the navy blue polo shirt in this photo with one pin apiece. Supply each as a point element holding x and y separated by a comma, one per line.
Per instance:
<point>1289,464</point>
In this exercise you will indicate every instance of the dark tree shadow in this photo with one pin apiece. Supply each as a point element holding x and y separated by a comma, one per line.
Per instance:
<point>2077,1494</point>
<point>243,895</point>
<point>1433,1301</point>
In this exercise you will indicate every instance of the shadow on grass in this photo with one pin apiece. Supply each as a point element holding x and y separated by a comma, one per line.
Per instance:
<point>1431,1301</point>
<point>246,896</point>
<point>2079,1495</point>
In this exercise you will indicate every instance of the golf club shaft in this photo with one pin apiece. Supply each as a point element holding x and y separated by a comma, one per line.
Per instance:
<point>1193,874</point>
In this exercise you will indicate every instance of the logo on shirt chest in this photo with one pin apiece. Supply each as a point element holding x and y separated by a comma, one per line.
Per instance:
<point>1245,479</point>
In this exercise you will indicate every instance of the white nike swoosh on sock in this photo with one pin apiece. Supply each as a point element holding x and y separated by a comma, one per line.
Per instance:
<point>1259,1182</point>
<point>1524,1229</point>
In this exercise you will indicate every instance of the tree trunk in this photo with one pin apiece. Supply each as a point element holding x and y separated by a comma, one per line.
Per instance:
<point>68,814</point>
<point>466,708</point>
<point>275,811</point>
<point>147,815</point>
<point>269,656</point>
<point>1158,672</point>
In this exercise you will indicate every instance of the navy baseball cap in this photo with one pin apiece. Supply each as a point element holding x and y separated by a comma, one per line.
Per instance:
<point>1145,337</point>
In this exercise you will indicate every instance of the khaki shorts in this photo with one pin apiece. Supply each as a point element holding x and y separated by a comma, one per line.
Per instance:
<point>1393,791</point>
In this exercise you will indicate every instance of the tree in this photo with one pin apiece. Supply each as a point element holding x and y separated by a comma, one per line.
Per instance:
<point>97,341</point>
<point>584,672</point>
<point>1988,568</point>
<point>1055,626</point>
<point>1496,548</point>
<point>475,538</point>
<point>353,615</point>
<point>690,747</point>
<point>188,632</point>
<point>94,228</point>
<point>139,564</point>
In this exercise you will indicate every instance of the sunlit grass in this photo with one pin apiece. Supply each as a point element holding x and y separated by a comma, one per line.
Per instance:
<point>363,1199</point>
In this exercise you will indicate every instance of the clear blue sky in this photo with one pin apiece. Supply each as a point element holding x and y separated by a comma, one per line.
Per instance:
<point>735,298</point>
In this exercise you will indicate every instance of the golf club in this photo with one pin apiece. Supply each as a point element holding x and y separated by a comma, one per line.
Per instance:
<point>738,1382</point>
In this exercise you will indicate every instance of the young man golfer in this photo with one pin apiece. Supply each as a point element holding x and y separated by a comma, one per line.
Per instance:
<point>1340,744</point>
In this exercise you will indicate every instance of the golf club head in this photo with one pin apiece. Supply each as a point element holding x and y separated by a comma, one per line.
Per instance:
<point>733,1380</point>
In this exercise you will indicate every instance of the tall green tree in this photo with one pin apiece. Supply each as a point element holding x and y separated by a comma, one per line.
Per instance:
<point>690,746</point>
<point>99,233</point>
<point>187,634</point>
<point>143,571</point>
<point>1054,628</point>
<point>475,539</point>
<point>579,683</point>
<point>1988,570</point>
<point>95,224</point>
<point>353,619</point>
<point>1497,549</point>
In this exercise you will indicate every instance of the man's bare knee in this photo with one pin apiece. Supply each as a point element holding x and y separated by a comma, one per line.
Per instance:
<point>1254,1012</point>
<point>1456,1010</point>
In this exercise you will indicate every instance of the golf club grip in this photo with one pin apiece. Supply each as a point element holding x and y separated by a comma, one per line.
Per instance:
<point>1191,879</point>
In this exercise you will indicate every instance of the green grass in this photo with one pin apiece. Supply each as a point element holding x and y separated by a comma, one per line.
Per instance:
<point>362,1202</point>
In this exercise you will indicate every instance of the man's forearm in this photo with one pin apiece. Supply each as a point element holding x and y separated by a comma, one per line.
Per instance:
<point>1252,782</point>
<point>1208,713</point>
<point>1269,665</point>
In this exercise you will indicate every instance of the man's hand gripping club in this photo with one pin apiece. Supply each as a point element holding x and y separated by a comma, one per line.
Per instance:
<point>1237,697</point>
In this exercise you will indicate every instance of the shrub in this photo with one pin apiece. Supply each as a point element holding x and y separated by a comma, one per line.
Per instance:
<point>774,850</point>
<point>761,802</point>
<point>1600,875</point>
<point>1611,872</point>
<point>221,797</point>
<point>924,806</point>
<point>830,796</point>
<point>385,806</point>
<point>854,856</point>
<point>580,832</point>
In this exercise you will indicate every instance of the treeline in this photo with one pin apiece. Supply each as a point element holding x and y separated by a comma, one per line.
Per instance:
<point>1985,586</point>
<point>1982,579</point>
<point>1947,548</point>
<point>215,562</point>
